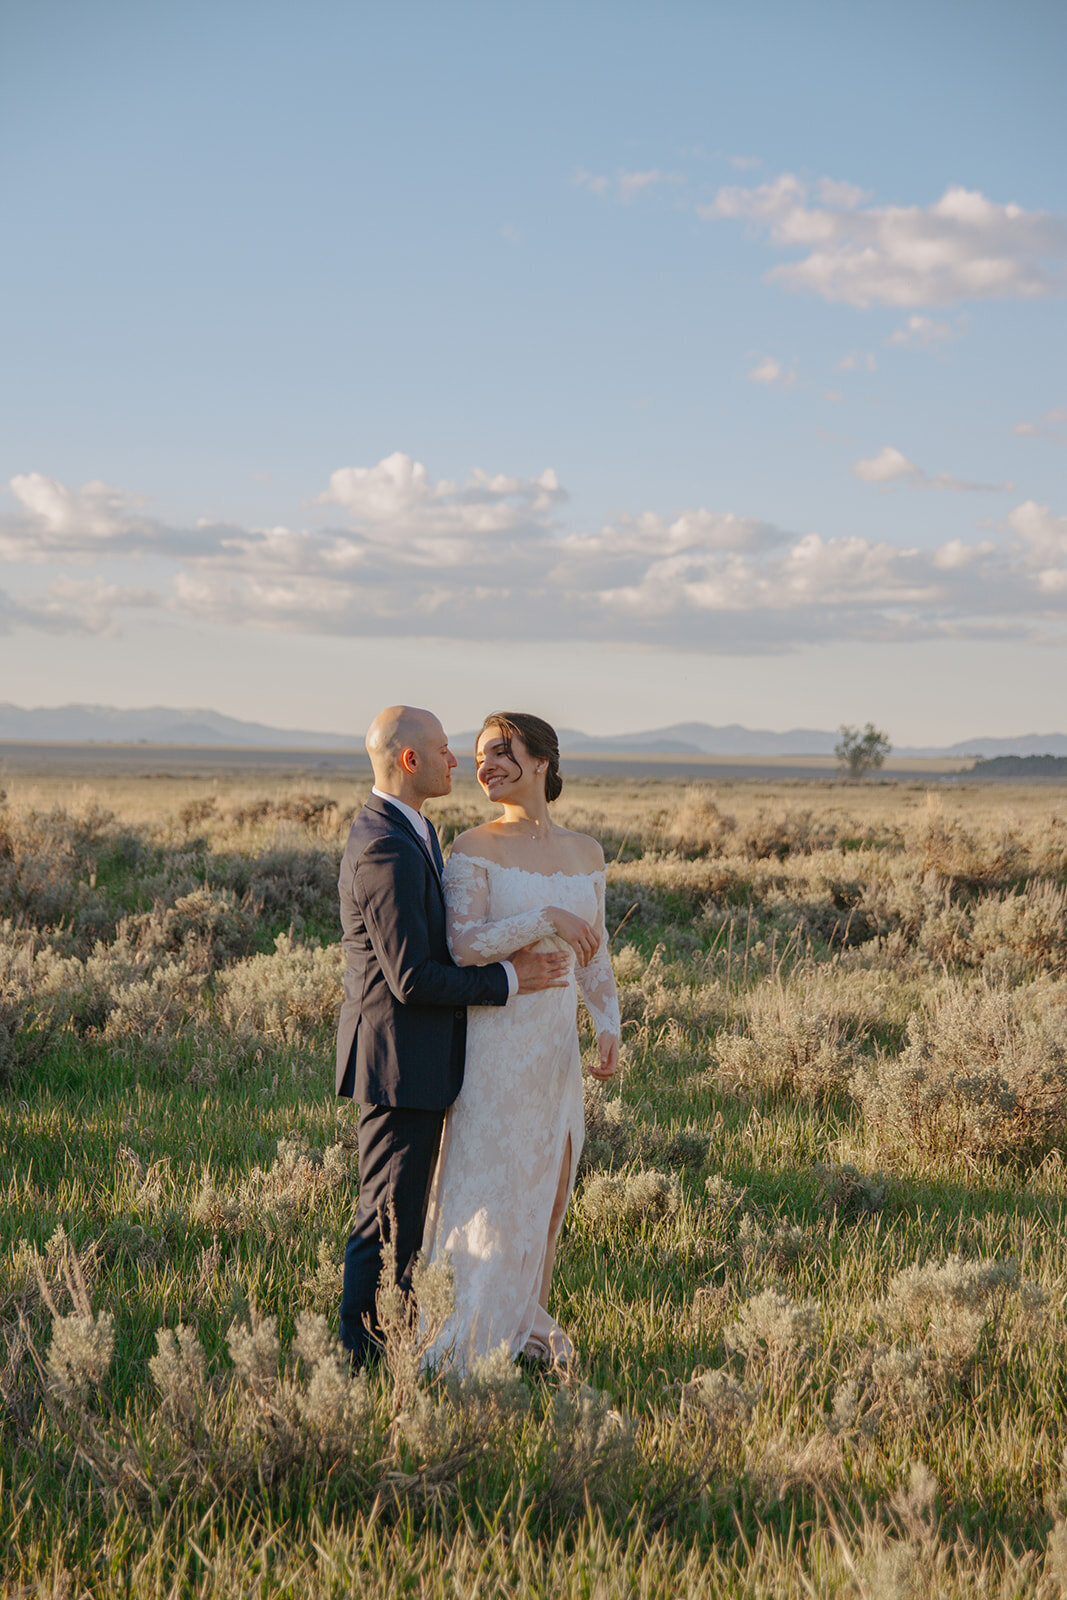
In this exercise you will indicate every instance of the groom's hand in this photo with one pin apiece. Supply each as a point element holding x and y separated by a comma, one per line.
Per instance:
<point>538,970</point>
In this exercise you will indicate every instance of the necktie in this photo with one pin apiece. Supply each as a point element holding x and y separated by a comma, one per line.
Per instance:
<point>435,846</point>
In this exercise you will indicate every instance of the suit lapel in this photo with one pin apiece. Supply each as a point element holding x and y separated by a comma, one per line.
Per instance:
<point>394,815</point>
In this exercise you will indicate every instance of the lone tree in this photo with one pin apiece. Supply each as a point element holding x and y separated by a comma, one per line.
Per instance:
<point>861,752</point>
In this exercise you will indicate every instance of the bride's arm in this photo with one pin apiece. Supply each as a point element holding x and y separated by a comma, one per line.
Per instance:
<point>597,983</point>
<point>472,938</point>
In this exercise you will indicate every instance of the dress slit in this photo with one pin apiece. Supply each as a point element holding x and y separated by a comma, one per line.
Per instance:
<point>564,1189</point>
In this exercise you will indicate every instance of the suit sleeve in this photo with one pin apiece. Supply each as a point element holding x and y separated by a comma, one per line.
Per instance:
<point>389,887</point>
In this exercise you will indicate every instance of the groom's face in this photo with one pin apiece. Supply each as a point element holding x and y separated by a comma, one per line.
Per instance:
<point>436,762</point>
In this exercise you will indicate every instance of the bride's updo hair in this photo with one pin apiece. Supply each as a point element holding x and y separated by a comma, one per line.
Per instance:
<point>537,735</point>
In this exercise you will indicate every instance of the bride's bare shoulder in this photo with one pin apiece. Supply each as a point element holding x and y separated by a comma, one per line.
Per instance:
<point>474,842</point>
<point>586,852</point>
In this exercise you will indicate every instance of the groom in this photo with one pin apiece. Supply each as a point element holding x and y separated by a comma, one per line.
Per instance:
<point>403,1026</point>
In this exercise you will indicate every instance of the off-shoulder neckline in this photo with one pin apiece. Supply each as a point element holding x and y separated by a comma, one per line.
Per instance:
<point>487,861</point>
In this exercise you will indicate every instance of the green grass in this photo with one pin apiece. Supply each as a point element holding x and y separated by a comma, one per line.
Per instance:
<point>114,1140</point>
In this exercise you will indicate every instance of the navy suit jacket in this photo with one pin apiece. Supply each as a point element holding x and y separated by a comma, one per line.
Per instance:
<point>402,1033</point>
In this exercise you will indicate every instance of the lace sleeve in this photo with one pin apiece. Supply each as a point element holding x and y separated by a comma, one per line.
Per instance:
<point>472,938</point>
<point>596,980</point>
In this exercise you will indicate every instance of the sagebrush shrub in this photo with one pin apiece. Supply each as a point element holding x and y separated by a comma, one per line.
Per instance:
<point>1017,935</point>
<point>79,1356</point>
<point>773,1326</point>
<point>209,927</point>
<point>631,1198</point>
<point>194,811</point>
<point>776,1247</point>
<point>696,826</point>
<point>951,1302</point>
<point>725,1199</point>
<point>309,809</point>
<point>959,856</point>
<point>275,1196</point>
<point>294,994</point>
<point>158,1004</point>
<point>981,1074</point>
<point>608,1129</point>
<point>26,1026</point>
<point>789,833</point>
<point>720,1398</point>
<point>292,885</point>
<point>846,1192</point>
<point>791,1042</point>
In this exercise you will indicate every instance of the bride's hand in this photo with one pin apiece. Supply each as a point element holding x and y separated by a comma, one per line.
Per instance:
<point>576,932</point>
<point>608,1045</point>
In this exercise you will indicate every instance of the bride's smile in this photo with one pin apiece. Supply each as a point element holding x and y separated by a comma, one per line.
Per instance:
<point>497,768</point>
<point>513,777</point>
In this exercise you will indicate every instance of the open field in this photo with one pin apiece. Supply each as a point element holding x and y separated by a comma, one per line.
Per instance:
<point>170,761</point>
<point>815,1266</point>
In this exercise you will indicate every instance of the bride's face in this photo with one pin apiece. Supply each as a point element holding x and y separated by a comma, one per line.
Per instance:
<point>504,776</point>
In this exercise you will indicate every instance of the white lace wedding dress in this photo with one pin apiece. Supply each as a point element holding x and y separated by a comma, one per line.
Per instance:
<point>519,1116</point>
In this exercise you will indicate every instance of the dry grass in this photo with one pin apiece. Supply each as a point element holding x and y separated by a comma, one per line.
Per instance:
<point>815,1267</point>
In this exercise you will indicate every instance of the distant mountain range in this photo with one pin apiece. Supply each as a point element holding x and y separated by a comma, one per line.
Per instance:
<point>156,725</point>
<point>703,738</point>
<point>78,724</point>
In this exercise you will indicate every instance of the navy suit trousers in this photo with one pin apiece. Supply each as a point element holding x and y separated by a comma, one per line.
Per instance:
<point>398,1150</point>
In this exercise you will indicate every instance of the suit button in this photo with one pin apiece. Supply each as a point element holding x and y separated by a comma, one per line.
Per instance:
<point>459,1013</point>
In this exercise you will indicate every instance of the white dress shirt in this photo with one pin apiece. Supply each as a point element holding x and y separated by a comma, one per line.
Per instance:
<point>419,823</point>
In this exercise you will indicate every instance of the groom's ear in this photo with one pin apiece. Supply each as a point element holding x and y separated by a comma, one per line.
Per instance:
<point>409,759</point>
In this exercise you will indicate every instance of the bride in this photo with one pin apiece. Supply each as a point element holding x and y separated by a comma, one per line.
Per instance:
<point>512,1140</point>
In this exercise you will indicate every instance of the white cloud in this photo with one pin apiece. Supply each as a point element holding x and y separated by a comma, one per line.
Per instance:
<point>1044,535</point>
<point>622,553</point>
<point>857,359</point>
<point>890,466</point>
<point>772,372</point>
<point>962,247</point>
<point>632,183</point>
<point>96,508</point>
<point>624,186</point>
<point>38,614</point>
<point>398,492</point>
<point>924,333</point>
<point>843,196</point>
<point>887,465</point>
<point>489,559</point>
<point>954,554</point>
<point>57,519</point>
<point>946,480</point>
<point>442,523</point>
<point>1053,425</point>
<point>69,607</point>
<point>596,183</point>
<point>59,523</point>
<point>379,494</point>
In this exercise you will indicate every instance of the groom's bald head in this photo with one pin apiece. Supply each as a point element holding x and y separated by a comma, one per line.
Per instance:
<point>400,741</point>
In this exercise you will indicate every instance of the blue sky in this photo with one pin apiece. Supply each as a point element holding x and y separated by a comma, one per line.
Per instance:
<point>625,363</point>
